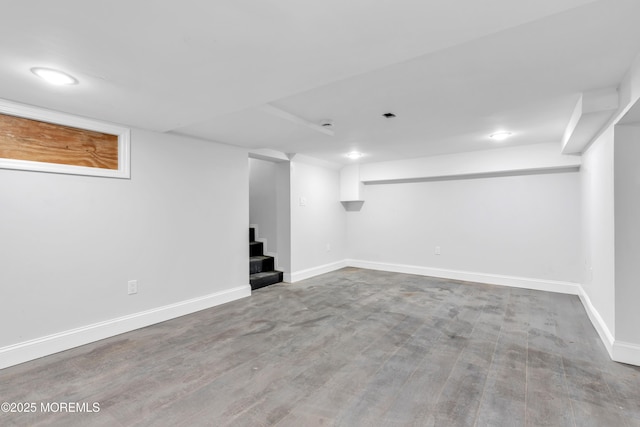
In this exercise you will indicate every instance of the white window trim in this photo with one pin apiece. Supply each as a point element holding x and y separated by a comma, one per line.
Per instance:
<point>44,115</point>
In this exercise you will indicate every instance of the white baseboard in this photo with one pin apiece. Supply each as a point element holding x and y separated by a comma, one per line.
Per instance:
<point>598,323</point>
<point>625,352</point>
<point>296,276</point>
<point>44,346</point>
<point>491,279</point>
<point>619,351</point>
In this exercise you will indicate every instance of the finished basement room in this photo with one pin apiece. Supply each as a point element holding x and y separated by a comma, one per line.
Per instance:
<point>277,213</point>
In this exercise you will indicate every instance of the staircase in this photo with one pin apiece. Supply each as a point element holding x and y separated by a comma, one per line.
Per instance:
<point>261,267</point>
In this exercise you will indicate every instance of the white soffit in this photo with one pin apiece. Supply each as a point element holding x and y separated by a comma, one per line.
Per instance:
<point>591,113</point>
<point>268,154</point>
<point>529,158</point>
<point>632,116</point>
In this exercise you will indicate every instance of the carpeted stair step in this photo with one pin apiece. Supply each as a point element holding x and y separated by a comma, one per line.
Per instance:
<point>256,249</point>
<point>265,278</point>
<point>260,263</point>
<point>261,267</point>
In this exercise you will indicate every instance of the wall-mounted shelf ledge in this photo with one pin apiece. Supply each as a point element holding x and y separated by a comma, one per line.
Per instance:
<point>352,205</point>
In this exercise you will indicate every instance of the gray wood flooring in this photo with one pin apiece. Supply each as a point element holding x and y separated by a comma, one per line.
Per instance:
<point>349,348</point>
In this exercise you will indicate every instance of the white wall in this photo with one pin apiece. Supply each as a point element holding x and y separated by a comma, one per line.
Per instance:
<point>525,226</point>
<point>627,233</point>
<point>263,198</point>
<point>318,229</point>
<point>610,211</point>
<point>597,178</point>
<point>283,185</point>
<point>71,243</point>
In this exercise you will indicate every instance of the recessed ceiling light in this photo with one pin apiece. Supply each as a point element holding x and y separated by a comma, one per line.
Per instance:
<point>354,155</point>
<point>500,136</point>
<point>54,77</point>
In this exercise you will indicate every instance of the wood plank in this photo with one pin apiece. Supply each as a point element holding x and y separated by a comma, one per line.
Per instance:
<point>26,139</point>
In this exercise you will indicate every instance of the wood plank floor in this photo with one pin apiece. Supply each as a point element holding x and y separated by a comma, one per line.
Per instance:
<point>349,348</point>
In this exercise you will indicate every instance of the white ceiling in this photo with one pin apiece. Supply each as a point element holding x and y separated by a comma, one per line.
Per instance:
<point>452,70</point>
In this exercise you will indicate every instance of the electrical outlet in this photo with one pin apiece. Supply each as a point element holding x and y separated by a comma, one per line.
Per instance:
<point>132,287</point>
<point>437,251</point>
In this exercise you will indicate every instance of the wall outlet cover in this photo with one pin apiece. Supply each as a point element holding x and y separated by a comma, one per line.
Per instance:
<point>132,287</point>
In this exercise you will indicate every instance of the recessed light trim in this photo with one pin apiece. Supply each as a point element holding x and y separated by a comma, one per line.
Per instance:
<point>354,155</point>
<point>500,136</point>
<point>54,77</point>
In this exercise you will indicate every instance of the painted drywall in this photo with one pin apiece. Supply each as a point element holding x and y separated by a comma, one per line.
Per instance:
<point>351,187</point>
<point>263,199</point>
<point>597,180</point>
<point>629,89</point>
<point>283,216</point>
<point>71,243</point>
<point>318,219</point>
<point>522,226</point>
<point>627,232</point>
<point>610,211</point>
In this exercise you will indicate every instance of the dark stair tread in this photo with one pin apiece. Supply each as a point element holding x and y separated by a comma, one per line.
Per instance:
<point>256,248</point>
<point>265,278</point>
<point>260,263</point>
<point>261,266</point>
<point>265,274</point>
